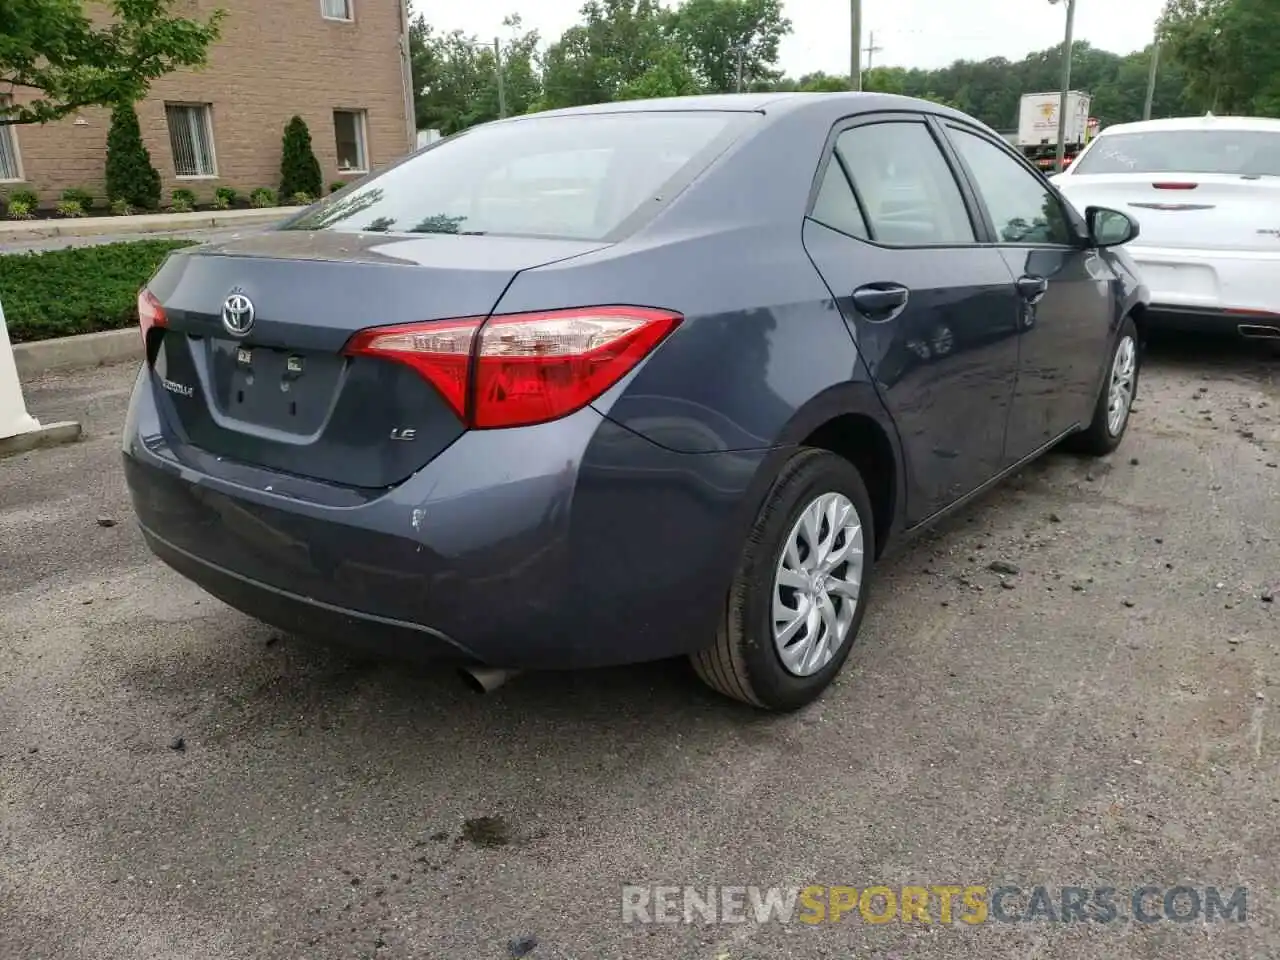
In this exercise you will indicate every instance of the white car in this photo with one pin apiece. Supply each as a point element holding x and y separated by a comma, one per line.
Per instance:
<point>1206,194</point>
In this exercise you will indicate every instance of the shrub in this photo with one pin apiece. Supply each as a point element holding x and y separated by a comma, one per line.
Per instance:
<point>27,198</point>
<point>79,195</point>
<point>121,208</point>
<point>302,199</point>
<point>262,197</point>
<point>337,185</point>
<point>70,208</point>
<point>182,201</point>
<point>224,197</point>
<point>299,168</point>
<point>130,175</point>
<point>78,290</point>
<point>19,209</point>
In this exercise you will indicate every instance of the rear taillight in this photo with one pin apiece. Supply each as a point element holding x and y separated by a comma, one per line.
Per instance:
<point>524,368</point>
<point>441,352</point>
<point>150,315</point>
<point>1175,186</point>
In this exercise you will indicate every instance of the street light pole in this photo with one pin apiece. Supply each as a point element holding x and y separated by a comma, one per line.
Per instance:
<point>1151,80</point>
<point>855,38</point>
<point>1066,83</point>
<point>502,87</point>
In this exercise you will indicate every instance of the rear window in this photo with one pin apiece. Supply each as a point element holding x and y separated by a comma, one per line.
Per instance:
<point>576,177</point>
<point>1247,153</point>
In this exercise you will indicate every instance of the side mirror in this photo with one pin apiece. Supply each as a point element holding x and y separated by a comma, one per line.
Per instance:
<point>1111,228</point>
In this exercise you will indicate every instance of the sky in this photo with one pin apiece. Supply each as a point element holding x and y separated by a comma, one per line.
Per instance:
<point>912,33</point>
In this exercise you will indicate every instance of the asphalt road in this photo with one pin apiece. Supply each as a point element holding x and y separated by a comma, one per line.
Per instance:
<point>1110,719</point>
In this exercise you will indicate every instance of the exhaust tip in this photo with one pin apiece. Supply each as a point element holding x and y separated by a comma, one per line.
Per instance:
<point>485,679</point>
<point>1256,331</point>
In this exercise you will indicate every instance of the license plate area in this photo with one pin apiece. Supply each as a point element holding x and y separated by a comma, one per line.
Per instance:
<point>1181,279</point>
<point>287,390</point>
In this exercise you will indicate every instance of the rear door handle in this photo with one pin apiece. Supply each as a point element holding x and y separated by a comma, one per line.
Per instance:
<point>1033,289</point>
<point>881,301</point>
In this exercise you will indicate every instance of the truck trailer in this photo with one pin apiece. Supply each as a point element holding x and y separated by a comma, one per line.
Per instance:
<point>1037,135</point>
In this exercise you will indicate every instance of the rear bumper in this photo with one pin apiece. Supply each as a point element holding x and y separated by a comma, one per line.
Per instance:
<point>571,544</point>
<point>1211,286</point>
<point>1253,326</point>
<point>310,617</point>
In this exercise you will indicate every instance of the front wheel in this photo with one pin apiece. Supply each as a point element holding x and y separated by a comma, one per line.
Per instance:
<point>798,599</point>
<point>1115,402</point>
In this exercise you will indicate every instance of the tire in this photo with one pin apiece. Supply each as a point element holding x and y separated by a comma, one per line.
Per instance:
<point>745,663</point>
<point>1100,437</point>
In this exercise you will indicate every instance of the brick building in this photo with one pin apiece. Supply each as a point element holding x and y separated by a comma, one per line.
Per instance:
<point>342,65</point>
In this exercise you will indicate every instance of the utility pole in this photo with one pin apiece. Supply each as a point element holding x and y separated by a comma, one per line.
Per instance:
<point>871,50</point>
<point>1151,80</point>
<point>1066,83</point>
<point>502,87</point>
<point>406,65</point>
<point>740,56</point>
<point>855,46</point>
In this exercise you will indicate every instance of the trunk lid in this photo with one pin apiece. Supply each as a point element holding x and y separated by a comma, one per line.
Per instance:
<point>1188,211</point>
<point>282,395</point>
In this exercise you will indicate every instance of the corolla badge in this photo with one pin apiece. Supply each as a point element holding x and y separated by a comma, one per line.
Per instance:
<point>237,313</point>
<point>181,389</point>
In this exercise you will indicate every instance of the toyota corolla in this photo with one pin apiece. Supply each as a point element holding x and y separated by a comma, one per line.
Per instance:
<point>626,382</point>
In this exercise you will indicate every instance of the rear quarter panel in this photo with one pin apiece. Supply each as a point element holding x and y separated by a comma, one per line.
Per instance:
<point>762,337</point>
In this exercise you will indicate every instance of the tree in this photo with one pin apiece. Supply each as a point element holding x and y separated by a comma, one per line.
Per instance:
<point>1229,51</point>
<point>823,83</point>
<point>521,76</point>
<point>53,51</point>
<point>299,168</point>
<point>728,39</point>
<point>991,89</point>
<point>455,80</point>
<point>670,76</point>
<point>618,42</point>
<point>131,177</point>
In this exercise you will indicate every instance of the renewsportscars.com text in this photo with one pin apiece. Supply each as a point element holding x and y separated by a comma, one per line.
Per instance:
<point>942,904</point>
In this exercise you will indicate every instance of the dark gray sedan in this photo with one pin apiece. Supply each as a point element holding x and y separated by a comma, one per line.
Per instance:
<point>626,382</point>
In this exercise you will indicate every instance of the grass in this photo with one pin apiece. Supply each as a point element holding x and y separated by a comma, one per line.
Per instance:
<point>59,293</point>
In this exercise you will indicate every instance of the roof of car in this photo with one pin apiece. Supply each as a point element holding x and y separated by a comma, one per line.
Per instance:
<point>764,103</point>
<point>1207,122</point>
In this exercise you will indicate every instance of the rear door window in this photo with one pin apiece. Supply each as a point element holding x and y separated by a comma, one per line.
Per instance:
<point>575,177</point>
<point>1245,153</point>
<point>907,189</point>
<point>836,206</point>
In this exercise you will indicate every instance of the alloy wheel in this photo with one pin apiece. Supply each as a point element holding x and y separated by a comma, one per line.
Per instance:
<point>1120,395</point>
<point>817,584</point>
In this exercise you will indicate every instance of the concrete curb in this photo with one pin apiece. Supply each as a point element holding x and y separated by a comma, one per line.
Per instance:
<point>48,435</point>
<point>77,353</point>
<point>17,231</point>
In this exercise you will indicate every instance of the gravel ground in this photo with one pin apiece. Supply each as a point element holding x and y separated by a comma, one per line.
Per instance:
<point>176,781</point>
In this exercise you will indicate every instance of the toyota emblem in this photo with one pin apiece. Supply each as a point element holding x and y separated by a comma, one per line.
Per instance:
<point>237,313</point>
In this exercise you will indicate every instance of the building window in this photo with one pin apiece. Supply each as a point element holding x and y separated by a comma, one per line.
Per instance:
<point>349,129</point>
<point>336,9</point>
<point>191,137</point>
<point>10,168</point>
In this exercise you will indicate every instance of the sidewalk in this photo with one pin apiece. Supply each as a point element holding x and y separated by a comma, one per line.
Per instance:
<point>22,231</point>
